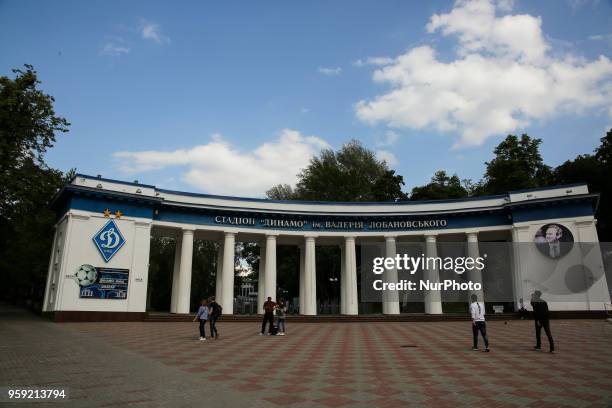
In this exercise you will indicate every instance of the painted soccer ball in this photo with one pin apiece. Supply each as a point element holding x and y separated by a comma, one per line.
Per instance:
<point>86,275</point>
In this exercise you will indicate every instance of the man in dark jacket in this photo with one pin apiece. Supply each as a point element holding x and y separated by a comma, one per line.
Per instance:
<point>541,318</point>
<point>216,311</point>
<point>268,316</point>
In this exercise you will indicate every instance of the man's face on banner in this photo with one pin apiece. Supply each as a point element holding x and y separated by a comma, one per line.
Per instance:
<point>553,234</point>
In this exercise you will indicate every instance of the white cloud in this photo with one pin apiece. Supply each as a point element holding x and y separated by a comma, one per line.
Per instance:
<point>389,139</point>
<point>602,37</point>
<point>114,49</point>
<point>151,31</point>
<point>502,78</point>
<point>505,5</point>
<point>575,5</point>
<point>330,71</point>
<point>220,168</point>
<point>478,29</point>
<point>387,156</point>
<point>373,61</point>
<point>598,37</point>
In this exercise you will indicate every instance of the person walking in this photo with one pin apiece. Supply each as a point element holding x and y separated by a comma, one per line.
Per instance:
<point>202,315</point>
<point>281,315</point>
<point>541,319</point>
<point>522,310</point>
<point>477,311</point>
<point>215,313</point>
<point>268,307</point>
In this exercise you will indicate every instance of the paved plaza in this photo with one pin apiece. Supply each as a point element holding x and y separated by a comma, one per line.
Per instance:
<point>316,364</point>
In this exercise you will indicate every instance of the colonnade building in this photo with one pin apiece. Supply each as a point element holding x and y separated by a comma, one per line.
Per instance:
<point>100,258</point>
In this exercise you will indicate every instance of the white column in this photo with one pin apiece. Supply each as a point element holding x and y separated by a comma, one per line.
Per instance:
<point>50,269</point>
<point>474,275</point>
<point>139,271</point>
<point>270,270</point>
<point>261,286</point>
<point>520,234</point>
<point>227,297</point>
<point>184,281</point>
<point>433,300</point>
<point>343,292</point>
<point>219,280</point>
<point>590,254</point>
<point>175,275</point>
<point>350,267</point>
<point>390,298</point>
<point>69,232</point>
<point>310,277</point>
<point>302,280</point>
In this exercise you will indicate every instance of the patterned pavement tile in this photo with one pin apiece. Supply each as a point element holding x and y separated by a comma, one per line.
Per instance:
<point>335,401</point>
<point>317,364</point>
<point>285,400</point>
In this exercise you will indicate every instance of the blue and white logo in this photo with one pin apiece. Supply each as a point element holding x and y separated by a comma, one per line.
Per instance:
<point>109,240</point>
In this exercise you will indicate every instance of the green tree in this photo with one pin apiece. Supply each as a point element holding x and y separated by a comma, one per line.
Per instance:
<point>584,168</point>
<point>281,192</point>
<point>517,165</point>
<point>28,126</point>
<point>441,186</point>
<point>204,271</point>
<point>603,154</point>
<point>351,174</point>
<point>161,267</point>
<point>595,170</point>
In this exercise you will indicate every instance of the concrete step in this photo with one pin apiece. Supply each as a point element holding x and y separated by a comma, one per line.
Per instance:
<point>404,317</point>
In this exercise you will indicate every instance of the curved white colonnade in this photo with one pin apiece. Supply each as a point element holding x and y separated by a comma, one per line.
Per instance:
<point>88,204</point>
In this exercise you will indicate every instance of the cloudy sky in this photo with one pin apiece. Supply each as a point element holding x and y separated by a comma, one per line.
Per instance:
<point>234,97</point>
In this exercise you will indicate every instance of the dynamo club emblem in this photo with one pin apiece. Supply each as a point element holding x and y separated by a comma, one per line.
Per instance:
<point>109,240</point>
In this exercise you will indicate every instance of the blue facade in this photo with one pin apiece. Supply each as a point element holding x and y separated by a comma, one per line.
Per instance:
<point>154,208</point>
<point>559,210</point>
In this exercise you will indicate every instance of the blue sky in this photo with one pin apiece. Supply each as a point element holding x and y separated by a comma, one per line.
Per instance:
<point>234,97</point>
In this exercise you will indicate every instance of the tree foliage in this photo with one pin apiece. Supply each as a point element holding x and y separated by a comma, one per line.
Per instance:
<point>517,165</point>
<point>441,186</point>
<point>281,192</point>
<point>353,173</point>
<point>28,126</point>
<point>603,154</point>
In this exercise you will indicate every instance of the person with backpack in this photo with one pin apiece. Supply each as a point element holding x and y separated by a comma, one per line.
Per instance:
<point>281,315</point>
<point>542,320</point>
<point>202,315</point>
<point>477,311</point>
<point>215,313</point>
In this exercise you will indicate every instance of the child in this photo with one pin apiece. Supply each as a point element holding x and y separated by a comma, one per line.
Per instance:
<point>202,314</point>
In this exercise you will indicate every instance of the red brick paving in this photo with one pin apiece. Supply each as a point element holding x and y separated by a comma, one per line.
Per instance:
<point>341,364</point>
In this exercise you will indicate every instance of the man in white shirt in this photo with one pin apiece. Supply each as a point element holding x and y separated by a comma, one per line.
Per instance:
<point>477,311</point>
